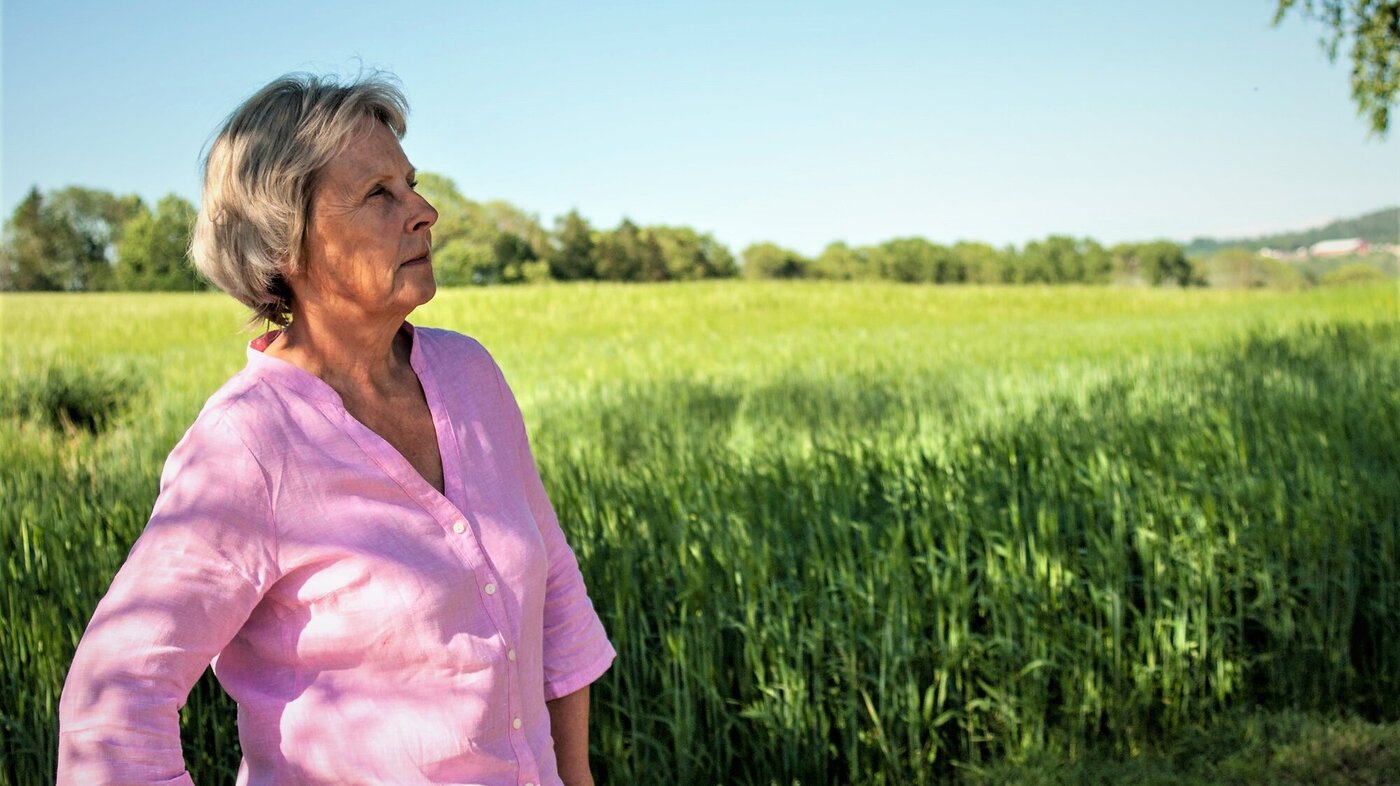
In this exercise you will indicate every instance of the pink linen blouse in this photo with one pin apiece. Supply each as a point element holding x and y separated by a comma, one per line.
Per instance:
<point>371,629</point>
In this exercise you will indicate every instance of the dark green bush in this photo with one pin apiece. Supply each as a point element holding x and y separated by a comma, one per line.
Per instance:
<point>69,397</point>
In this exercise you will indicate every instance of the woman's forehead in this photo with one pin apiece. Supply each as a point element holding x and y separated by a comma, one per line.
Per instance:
<point>371,151</point>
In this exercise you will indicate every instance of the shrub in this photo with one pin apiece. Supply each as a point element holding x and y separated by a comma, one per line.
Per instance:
<point>1358,273</point>
<point>69,397</point>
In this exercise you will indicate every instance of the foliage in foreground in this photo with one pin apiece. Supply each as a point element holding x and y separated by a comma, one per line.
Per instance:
<point>863,573</point>
<point>1373,29</point>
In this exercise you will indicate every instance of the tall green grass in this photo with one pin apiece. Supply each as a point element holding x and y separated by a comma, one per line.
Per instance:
<point>865,534</point>
<point>842,604</point>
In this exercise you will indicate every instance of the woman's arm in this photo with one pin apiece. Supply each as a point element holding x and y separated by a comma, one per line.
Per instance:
<point>202,564</point>
<point>568,723</point>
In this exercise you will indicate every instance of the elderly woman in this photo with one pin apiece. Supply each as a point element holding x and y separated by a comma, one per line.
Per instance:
<point>353,531</point>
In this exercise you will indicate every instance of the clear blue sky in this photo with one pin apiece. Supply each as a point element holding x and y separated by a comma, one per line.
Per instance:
<point>800,123</point>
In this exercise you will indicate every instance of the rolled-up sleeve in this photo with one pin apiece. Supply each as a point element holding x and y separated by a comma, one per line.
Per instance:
<point>204,561</point>
<point>576,647</point>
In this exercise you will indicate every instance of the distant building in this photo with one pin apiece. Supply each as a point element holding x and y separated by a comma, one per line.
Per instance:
<point>1284,254</point>
<point>1339,248</point>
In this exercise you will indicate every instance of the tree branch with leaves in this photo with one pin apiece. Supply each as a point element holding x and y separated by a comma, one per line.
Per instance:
<point>1373,28</point>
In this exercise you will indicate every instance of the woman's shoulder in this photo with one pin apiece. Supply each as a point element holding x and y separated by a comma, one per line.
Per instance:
<point>449,346</point>
<point>467,362</point>
<point>221,434</point>
<point>245,411</point>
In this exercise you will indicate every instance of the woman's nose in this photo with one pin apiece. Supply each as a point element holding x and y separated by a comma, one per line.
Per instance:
<point>424,216</point>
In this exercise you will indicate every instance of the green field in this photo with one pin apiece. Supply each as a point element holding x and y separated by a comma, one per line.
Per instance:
<point>839,533</point>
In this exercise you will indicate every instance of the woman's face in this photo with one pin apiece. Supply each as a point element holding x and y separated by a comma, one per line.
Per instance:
<point>368,240</point>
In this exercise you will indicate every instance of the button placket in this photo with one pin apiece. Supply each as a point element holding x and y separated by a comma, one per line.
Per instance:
<point>465,540</point>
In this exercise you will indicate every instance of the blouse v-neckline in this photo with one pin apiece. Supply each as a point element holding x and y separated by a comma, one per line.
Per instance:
<point>390,460</point>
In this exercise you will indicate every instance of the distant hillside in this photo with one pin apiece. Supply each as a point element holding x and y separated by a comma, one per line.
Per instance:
<point>1382,226</point>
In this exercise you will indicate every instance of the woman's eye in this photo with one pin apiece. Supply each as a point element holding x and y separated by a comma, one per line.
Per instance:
<point>413,184</point>
<point>376,191</point>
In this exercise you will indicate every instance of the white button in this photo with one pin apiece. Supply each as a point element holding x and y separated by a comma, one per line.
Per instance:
<point>490,589</point>
<point>459,528</point>
<point>511,655</point>
<point>527,783</point>
<point>515,724</point>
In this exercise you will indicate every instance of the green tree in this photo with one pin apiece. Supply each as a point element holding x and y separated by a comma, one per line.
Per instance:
<point>501,217</point>
<point>1373,27</point>
<point>29,248</point>
<point>1040,260</point>
<point>478,243</point>
<point>63,240</point>
<point>463,262</point>
<point>914,259</point>
<point>1015,261</point>
<point>93,219</point>
<point>615,261</point>
<point>152,254</point>
<point>652,258</point>
<point>511,252</point>
<point>719,261</point>
<point>902,259</point>
<point>459,218</point>
<point>629,253</point>
<point>840,262</point>
<point>572,256</point>
<point>1065,260</point>
<point>689,255</point>
<point>769,260</point>
<point>981,263</point>
<point>1165,262</point>
<point>1158,262</point>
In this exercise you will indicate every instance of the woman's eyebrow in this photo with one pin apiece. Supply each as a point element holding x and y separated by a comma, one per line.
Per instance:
<point>369,180</point>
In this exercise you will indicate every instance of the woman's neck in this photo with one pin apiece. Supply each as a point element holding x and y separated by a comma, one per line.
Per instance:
<point>358,359</point>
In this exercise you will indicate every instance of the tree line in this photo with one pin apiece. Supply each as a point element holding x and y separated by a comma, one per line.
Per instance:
<point>1058,259</point>
<point>1378,227</point>
<point>78,239</point>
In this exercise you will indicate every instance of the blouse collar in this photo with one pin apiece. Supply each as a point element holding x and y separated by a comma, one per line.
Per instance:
<point>291,376</point>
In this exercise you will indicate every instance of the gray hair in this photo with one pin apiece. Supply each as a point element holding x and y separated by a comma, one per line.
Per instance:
<point>260,175</point>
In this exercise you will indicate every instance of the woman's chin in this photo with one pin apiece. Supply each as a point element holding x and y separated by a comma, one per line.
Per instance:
<point>421,285</point>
